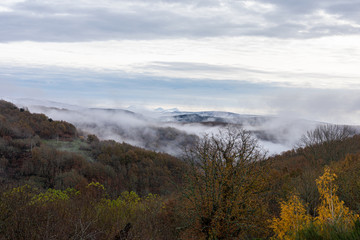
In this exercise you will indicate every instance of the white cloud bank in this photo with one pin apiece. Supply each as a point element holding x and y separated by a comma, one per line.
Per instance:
<point>328,62</point>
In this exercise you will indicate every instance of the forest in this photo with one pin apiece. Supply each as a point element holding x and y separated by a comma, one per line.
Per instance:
<point>58,182</point>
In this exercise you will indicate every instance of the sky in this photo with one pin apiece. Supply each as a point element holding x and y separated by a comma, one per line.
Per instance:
<point>288,58</point>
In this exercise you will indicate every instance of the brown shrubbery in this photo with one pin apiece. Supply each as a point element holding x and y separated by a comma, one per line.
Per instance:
<point>87,213</point>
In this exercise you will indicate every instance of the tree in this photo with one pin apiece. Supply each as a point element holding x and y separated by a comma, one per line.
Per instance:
<point>326,142</point>
<point>293,218</point>
<point>332,210</point>
<point>333,217</point>
<point>91,138</point>
<point>224,185</point>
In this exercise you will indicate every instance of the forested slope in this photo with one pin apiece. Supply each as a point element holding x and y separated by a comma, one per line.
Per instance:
<point>47,153</point>
<point>58,184</point>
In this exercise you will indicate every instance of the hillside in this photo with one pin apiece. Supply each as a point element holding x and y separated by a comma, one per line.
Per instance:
<point>58,183</point>
<point>35,149</point>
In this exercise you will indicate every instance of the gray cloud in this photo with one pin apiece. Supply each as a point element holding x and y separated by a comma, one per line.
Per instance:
<point>86,20</point>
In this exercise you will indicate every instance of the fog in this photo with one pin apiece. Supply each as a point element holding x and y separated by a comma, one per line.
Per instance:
<point>274,134</point>
<point>171,131</point>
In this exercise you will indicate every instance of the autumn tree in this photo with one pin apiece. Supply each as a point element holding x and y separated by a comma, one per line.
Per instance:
<point>332,210</point>
<point>224,185</point>
<point>333,217</point>
<point>293,218</point>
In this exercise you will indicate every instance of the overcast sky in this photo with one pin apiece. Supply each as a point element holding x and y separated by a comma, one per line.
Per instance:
<point>298,58</point>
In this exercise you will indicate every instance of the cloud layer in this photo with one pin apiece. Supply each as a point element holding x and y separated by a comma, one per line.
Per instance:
<point>89,20</point>
<point>330,62</point>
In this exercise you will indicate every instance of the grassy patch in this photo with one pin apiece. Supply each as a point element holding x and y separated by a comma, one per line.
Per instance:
<point>76,146</point>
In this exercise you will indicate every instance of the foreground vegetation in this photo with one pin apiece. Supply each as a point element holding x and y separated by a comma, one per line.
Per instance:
<point>57,183</point>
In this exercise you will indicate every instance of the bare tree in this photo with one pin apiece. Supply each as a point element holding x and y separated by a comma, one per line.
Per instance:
<point>224,183</point>
<point>326,142</point>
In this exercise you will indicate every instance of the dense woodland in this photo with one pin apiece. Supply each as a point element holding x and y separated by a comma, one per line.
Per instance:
<point>57,183</point>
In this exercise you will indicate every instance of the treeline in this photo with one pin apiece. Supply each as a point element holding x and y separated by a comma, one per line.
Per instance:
<point>58,184</point>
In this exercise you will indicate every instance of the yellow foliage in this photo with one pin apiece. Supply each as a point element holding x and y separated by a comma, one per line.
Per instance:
<point>293,218</point>
<point>95,185</point>
<point>25,189</point>
<point>52,195</point>
<point>332,211</point>
<point>126,204</point>
<point>124,209</point>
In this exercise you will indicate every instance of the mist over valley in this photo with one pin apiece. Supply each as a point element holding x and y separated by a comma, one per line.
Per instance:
<point>171,131</point>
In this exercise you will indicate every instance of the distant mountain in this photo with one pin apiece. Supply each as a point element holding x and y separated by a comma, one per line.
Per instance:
<point>214,116</point>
